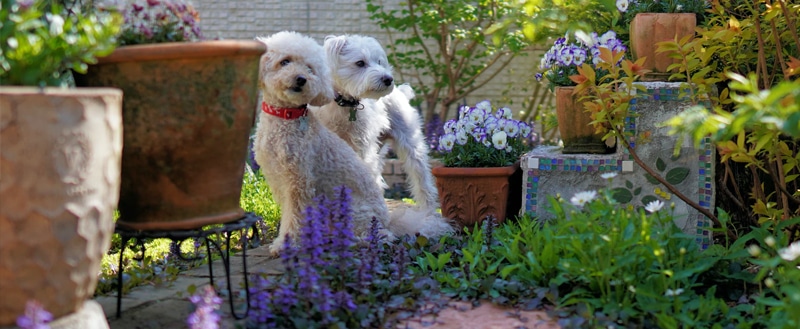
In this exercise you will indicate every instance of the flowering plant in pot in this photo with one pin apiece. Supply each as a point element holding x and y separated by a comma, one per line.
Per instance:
<point>180,90</point>
<point>480,153</point>
<point>560,62</point>
<point>60,160</point>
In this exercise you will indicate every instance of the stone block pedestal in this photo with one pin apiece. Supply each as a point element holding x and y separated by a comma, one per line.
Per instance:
<point>548,172</point>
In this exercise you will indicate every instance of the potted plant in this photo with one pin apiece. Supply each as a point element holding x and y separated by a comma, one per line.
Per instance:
<point>479,151</point>
<point>59,160</point>
<point>652,22</point>
<point>187,114</point>
<point>559,63</point>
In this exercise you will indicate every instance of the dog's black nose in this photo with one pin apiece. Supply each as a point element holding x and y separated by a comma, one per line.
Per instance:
<point>301,81</point>
<point>387,80</point>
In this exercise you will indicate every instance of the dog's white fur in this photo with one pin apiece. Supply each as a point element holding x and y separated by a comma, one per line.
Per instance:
<point>302,161</point>
<point>362,72</point>
<point>299,163</point>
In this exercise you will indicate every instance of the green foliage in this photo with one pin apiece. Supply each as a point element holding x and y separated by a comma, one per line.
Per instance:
<point>41,42</point>
<point>448,49</point>
<point>747,55</point>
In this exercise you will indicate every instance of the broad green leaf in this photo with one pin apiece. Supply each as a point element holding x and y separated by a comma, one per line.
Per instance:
<point>677,175</point>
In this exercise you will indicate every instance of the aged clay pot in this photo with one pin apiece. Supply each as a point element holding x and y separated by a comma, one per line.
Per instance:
<point>188,112</point>
<point>468,195</point>
<point>60,178</point>
<point>647,29</point>
<point>574,125</point>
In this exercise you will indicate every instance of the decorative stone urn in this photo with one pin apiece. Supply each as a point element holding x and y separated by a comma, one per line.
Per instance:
<point>59,185</point>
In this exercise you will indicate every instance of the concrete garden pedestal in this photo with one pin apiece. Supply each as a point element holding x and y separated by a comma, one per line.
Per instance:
<point>548,172</point>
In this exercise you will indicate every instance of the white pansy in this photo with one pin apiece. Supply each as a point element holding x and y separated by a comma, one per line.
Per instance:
<point>622,5</point>
<point>654,206</point>
<point>450,126</point>
<point>484,105</point>
<point>525,129</point>
<point>447,141</point>
<point>500,140</point>
<point>505,112</point>
<point>462,137</point>
<point>581,198</point>
<point>512,128</point>
<point>608,175</point>
<point>790,253</point>
<point>477,115</point>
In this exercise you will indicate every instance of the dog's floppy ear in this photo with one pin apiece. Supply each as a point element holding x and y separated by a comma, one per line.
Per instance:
<point>334,45</point>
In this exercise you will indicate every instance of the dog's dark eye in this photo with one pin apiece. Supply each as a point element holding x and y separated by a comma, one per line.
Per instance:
<point>360,63</point>
<point>285,62</point>
<point>310,70</point>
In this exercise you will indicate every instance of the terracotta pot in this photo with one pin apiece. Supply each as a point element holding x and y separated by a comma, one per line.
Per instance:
<point>60,168</point>
<point>468,195</point>
<point>187,113</point>
<point>647,29</point>
<point>574,125</point>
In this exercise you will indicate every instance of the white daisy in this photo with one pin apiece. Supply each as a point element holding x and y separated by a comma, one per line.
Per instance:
<point>790,253</point>
<point>608,175</point>
<point>581,198</point>
<point>654,206</point>
<point>670,292</point>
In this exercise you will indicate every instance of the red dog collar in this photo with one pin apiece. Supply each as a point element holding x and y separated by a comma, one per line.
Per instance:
<point>285,113</point>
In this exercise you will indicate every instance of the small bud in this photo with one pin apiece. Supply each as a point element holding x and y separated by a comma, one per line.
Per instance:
<point>769,282</point>
<point>754,250</point>
<point>770,241</point>
<point>683,251</point>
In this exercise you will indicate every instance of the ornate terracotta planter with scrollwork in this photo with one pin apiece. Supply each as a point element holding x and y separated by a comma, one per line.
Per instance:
<point>469,195</point>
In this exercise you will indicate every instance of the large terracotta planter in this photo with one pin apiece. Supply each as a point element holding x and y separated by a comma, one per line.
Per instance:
<point>59,186</point>
<point>188,112</point>
<point>647,29</point>
<point>468,195</point>
<point>574,125</point>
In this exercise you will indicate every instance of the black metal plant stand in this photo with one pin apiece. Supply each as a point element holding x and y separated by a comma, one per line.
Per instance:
<point>179,236</point>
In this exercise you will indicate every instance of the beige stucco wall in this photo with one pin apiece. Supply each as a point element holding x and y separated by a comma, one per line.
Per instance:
<point>246,19</point>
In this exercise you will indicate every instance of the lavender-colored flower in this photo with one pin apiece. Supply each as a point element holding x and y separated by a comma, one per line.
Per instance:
<point>525,129</point>
<point>434,128</point>
<point>450,126</point>
<point>206,304</point>
<point>512,128</point>
<point>479,133</point>
<point>35,316</point>
<point>538,76</point>
<point>565,56</point>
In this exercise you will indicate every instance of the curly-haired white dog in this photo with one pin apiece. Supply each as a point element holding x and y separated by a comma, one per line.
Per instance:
<point>301,158</point>
<point>368,106</point>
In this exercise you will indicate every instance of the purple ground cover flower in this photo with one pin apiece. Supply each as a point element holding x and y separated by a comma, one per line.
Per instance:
<point>35,317</point>
<point>331,278</point>
<point>206,304</point>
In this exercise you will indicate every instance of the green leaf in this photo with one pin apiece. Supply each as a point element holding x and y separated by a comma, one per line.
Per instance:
<point>677,175</point>
<point>637,191</point>
<point>622,195</point>
<point>628,184</point>
<point>651,179</point>
<point>508,269</point>
<point>648,198</point>
<point>660,164</point>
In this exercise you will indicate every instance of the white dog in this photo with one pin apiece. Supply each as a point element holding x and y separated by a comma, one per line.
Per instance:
<point>301,158</point>
<point>367,107</point>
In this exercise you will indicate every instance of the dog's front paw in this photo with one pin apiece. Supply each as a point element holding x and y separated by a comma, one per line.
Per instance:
<point>276,247</point>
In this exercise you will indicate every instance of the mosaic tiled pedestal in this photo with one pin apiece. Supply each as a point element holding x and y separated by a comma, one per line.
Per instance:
<point>548,172</point>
